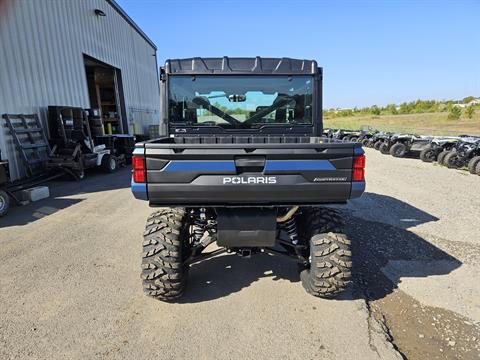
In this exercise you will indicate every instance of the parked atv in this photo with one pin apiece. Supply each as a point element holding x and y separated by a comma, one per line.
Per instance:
<point>373,140</point>
<point>473,164</point>
<point>340,134</point>
<point>352,135</point>
<point>334,134</point>
<point>326,132</point>
<point>467,153</point>
<point>365,137</point>
<point>443,154</point>
<point>407,144</point>
<point>344,135</point>
<point>381,138</point>
<point>387,143</point>
<point>437,145</point>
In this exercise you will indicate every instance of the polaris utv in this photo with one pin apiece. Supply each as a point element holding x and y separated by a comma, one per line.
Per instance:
<point>465,153</point>
<point>402,145</point>
<point>351,135</point>
<point>375,140</point>
<point>341,134</point>
<point>436,146</point>
<point>331,133</point>
<point>384,142</point>
<point>244,166</point>
<point>365,136</point>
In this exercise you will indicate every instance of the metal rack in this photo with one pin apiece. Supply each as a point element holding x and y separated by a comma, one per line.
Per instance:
<point>30,140</point>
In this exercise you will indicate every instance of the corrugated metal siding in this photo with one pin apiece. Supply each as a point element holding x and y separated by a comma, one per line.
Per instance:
<point>42,43</point>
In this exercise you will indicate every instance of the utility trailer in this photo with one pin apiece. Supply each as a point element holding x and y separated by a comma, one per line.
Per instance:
<point>244,165</point>
<point>5,194</point>
<point>70,149</point>
<point>9,189</point>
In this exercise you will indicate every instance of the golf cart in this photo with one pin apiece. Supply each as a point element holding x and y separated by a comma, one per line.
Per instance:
<point>74,145</point>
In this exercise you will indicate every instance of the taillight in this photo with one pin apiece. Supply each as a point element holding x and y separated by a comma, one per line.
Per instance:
<point>358,173</point>
<point>138,169</point>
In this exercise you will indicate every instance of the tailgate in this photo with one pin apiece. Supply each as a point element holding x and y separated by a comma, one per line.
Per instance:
<point>249,174</point>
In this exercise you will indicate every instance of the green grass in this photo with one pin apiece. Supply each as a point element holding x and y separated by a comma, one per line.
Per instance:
<point>425,124</point>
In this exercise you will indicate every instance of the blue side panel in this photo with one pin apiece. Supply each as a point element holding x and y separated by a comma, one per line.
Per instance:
<point>216,166</point>
<point>358,187</point>
<point>298,165</point>
<point>358,151</point>
<point>139,190</point>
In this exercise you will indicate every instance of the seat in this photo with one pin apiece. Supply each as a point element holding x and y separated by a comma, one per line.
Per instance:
<point>191,115</point>
<point>281,115</point>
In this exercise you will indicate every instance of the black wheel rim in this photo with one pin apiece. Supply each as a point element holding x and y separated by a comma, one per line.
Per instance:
<point>452,160</point>
<point>3,204</point>
<point>430,155</point>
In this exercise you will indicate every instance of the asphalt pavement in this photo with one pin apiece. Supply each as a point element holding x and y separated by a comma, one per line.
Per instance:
<point>70,277</point>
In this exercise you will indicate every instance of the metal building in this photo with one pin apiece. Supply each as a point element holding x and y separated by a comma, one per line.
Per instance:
<point>83,53</point>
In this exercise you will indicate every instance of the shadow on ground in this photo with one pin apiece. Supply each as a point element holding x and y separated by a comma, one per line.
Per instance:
<point>95,181</point>
<point>227,274</point>
<point>389,210</point>
<point>374,244</point>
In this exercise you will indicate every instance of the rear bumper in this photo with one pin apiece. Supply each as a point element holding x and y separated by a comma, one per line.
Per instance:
<point>210,192</point>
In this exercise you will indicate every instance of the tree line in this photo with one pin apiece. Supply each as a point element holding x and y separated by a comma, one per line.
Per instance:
<point>412,107</point>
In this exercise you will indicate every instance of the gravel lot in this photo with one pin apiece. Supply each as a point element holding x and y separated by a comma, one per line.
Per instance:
<point>418,255</point>
<point>70,282</point>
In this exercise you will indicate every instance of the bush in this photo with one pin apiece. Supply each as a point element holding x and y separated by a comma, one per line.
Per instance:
<point>392,109</point>
<point>406,108</point>
<point>345,113</point>
<point>375,110</point>
<point>423,106</point>
<point>455,113</point>
<point>469,111</point>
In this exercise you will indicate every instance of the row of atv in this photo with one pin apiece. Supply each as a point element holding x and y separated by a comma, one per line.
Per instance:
<point>454,152</point>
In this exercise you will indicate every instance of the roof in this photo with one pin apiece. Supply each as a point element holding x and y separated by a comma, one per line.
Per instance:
<point>241,65</point>
<point>132,23</point>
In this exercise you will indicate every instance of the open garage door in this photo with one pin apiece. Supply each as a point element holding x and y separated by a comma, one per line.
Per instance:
<point>105,91</point>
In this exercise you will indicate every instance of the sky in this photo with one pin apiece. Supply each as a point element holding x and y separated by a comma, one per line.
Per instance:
<point>372,52</point>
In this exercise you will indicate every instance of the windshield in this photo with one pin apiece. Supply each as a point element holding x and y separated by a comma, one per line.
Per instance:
<point>240,101</point>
